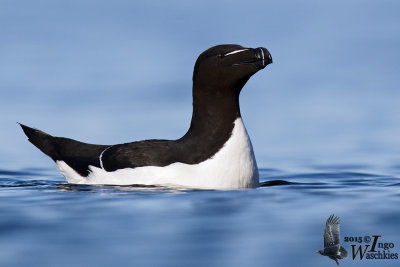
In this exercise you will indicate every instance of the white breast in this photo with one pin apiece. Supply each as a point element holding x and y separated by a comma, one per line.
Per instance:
<point>232,167</point>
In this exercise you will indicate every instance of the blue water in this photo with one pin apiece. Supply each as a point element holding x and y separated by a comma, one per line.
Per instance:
<point>46,222</point>
<point>324,121</point>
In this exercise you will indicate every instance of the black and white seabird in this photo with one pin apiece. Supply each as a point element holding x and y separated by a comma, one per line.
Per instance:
<point>215,153</point>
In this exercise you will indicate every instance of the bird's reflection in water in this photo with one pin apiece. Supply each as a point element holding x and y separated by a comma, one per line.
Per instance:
<point>117,189</point>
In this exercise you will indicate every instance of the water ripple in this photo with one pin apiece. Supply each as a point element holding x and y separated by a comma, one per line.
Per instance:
<point>38,179</point>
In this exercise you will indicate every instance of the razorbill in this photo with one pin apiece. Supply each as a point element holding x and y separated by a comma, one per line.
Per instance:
<point>215,153</point>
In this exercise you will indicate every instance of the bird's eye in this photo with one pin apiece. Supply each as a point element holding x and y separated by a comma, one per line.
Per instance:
<point>219,56</point>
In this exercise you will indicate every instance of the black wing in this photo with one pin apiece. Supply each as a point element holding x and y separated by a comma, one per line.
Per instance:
<point>76,154</point>
<point>142,153</point>
<point>332,232</point>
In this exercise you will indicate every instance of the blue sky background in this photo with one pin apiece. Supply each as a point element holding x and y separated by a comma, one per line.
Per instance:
<point>116,71</point>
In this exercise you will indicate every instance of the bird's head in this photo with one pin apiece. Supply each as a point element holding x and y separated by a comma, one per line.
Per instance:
<point>228,66</point>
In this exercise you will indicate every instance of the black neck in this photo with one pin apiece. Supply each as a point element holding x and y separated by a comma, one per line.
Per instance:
<point>214,113</point>
<point>213,109</point>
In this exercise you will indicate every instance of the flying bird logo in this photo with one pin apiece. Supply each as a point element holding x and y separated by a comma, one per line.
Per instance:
<point>332,247</point>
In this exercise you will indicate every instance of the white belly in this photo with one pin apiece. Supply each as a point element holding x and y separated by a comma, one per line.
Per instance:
<point>232,167</point>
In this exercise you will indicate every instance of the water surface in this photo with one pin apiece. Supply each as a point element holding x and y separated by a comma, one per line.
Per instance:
<point>46,222</point>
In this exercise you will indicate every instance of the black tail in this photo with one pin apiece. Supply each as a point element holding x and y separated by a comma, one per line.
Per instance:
<point>41,140</point>
<point>77,155</point>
